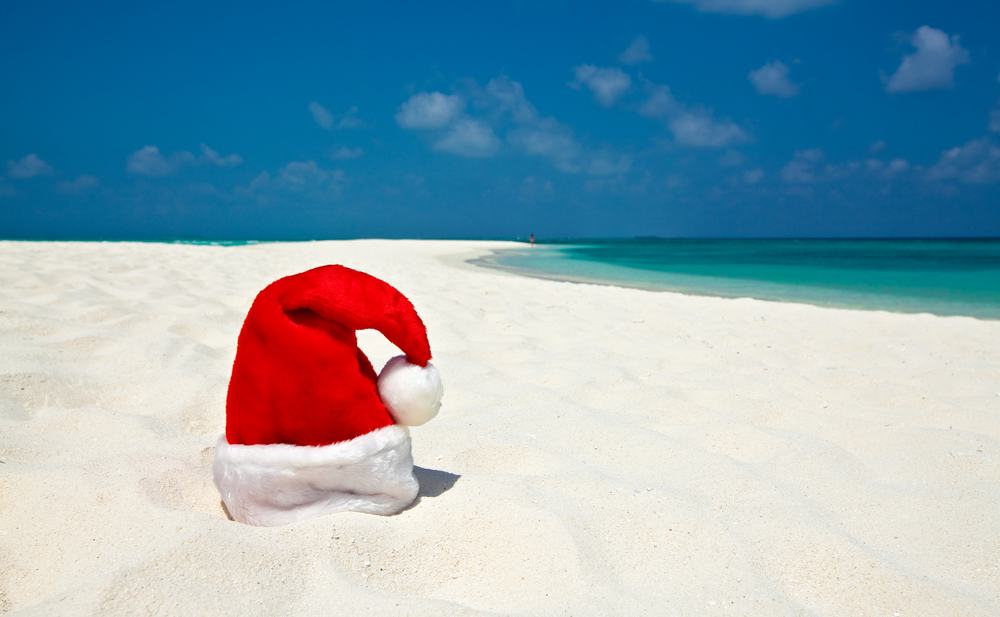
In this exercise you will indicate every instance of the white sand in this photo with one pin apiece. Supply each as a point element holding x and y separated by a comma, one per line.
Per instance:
<point>617,452</point>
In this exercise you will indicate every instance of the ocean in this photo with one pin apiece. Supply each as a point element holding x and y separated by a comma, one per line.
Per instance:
<point>942,277</point>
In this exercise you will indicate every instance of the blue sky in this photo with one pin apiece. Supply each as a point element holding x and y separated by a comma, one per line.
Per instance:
<point>672,118</point>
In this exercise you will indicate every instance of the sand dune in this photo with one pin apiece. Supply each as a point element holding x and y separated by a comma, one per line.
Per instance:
<point>601,451</point>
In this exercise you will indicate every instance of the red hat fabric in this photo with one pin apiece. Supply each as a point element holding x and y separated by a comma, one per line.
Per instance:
<point>310,428</point>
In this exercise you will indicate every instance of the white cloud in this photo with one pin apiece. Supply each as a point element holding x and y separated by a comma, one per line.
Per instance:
<point>995,120</point>
<point>468,137</point>
<point>500,105</point>
<point>695,127</point>
<point>345,152</point>
<point>350,119</point>
<point>28,167</point>
<point>877,147</point>
<point>149,161</point>
<point>659,103</point>
<point>637,52</point>
<point>607,84</point>
<point>504,96</point>
<point>753,176</point>
<point>301,177</point>
<point>772,80</point>
<point>608,164</point>
<point>886,170</point>
<point>932,65</point>
<point>321,115</point>
<point>544,137</point>
<point>78,185</point>
<point>551,140</point>
<point>501,115</point>
<point>803,168</point>
<point>767,8</point>
<point>212,157</point>
<point>457,133</point>
<point>976,162</point>
<point>261,182</point>
<point>329,121</point>
<point>896,166</point>
<point>429,110</point>
<point>810,166</point>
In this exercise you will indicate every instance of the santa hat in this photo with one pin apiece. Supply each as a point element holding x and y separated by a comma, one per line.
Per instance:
<point>310,428</point>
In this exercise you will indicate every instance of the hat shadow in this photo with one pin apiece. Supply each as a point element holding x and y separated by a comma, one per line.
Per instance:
<point>433,482</point>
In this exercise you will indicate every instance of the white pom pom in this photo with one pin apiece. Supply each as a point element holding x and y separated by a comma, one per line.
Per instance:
<point>410,392</point>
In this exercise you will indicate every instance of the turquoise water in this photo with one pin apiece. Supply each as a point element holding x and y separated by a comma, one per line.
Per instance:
<point>944,277</point>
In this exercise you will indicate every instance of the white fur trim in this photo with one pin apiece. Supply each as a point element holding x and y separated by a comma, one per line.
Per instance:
<point>411,393</point>
<point>277,484</point>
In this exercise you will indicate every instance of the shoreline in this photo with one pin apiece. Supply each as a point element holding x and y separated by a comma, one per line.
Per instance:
<point>483,261</point>
<point>476,257</point>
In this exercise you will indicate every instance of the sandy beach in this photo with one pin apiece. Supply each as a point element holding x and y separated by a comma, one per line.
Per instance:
<point>600,451</point>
